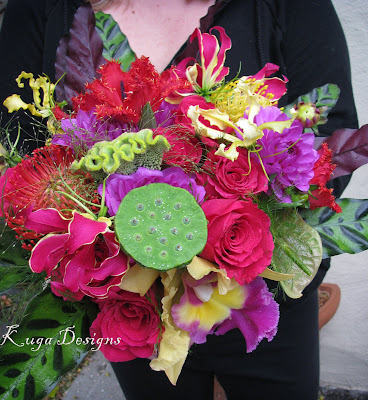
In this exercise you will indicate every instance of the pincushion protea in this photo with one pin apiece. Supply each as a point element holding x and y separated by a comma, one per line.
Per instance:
<point>44,180</point>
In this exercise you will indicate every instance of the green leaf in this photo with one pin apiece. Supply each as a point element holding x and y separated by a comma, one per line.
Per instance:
<point>345,232</point>
<point>116,45</point>
<point>298,251</point>
<point>11,248</point>
<point>325,96</point>
<point>11,275</point>
<point>148,120</point>
<point>35,355</point>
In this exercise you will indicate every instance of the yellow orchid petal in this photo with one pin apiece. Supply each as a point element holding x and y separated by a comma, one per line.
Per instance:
<point>277,126</point>
<point>38,108</point>
<point>199,267</point>
<point>231,153</point>
<point>15,103</point>
<point>200,318</point>
<point>192,74</point>
<point>138,279</point>
<point>251,132</point>
<point>175,342</point>
<point>215,118</point>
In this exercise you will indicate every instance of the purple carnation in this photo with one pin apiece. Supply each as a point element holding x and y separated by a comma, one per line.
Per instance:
<point>118,186</point>
<point>85,130</point>
<point>165,115</point>
<point>289,155</point>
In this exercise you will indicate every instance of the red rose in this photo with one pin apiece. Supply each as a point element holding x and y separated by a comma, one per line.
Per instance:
<point>234,179</point>
<point>129,326</point>
<point>239,238</point>
<point>185,149</point>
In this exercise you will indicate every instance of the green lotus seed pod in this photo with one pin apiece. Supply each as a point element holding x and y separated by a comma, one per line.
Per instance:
<point>161,226</point>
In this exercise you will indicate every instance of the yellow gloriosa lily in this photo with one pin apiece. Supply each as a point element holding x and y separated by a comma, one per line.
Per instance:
<point>247,132</point>
<point>175,342</point>
<point>38,108</point>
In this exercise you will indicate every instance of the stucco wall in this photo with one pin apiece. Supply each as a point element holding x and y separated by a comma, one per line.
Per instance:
<point>344,340</point>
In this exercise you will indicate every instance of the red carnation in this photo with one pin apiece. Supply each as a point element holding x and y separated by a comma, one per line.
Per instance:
<point>323,168</point>
<point>123,95</point>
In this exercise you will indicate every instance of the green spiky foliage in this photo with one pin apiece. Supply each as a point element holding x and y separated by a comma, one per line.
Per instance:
<point>161,226</point>
<point>124,154</point>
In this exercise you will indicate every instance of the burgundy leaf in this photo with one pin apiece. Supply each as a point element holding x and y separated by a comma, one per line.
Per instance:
<point>349,148</point>
<point>78,56</point>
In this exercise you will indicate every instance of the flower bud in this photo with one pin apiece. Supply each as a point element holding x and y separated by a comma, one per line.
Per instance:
<point>307,113</point>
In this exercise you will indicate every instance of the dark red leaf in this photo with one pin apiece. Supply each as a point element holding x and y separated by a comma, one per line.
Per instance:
<point>349,148</point>
<point>78,56</point>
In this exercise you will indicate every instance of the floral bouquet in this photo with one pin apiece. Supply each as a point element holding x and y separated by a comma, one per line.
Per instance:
<point>160,206</point>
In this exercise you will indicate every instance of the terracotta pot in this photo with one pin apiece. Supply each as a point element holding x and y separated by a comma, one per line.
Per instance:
<point>329,307</point>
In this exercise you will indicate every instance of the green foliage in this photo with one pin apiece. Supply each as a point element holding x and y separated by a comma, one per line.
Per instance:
<point>116,45</point>
<point>12,275</point>
<point>324,97</point>
<point>161,226</point>
<point>125,154</point>
<point>31,370</point>
<point>345,232</point>
<point>11,248</point>
<point>298,251</point>
<point>148,120</point>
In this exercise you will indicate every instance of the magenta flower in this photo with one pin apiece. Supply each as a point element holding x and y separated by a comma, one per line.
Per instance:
<point>129,325</point>
<point>257,319</point>
<point>118,186</point>
<point>274,86</point>
<point>202,310</point>
<point>211,69</point>
<point>83,258</point>
<point>289,155</point>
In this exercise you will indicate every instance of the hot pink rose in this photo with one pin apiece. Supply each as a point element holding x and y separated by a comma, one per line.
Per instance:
<point>234,179</point>
<point>239,238</point>
<point>129,325</point>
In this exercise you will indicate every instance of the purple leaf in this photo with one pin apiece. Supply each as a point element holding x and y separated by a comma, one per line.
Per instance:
<point>349,148</point>
<point>78,56</point>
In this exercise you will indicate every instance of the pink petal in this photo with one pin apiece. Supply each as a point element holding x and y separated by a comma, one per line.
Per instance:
<point>84,259</point>
<point>46,221</point>
<point>47,253</point>
<point>225,45</point>
<point>83,231</point>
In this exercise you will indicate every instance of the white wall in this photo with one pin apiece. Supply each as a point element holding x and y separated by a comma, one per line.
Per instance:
<point>344,340</point>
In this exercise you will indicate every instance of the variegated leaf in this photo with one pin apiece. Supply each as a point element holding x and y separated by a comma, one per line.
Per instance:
<point>298,251</point>
<point>345,232</point>
<point>116,45</point>
<point>33,357</point>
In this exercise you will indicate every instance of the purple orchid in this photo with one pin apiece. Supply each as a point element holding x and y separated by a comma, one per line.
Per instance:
<point>202,310</point>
